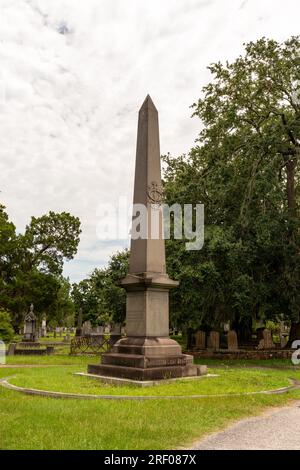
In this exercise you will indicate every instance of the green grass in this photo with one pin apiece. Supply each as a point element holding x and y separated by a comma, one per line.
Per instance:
<point>59,359</point>
<point>50,338</point>
<point>45,423</point>
<point>228,381</point>
<point>274,363</point>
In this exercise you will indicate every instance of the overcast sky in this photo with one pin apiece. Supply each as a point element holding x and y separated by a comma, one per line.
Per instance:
<point>69,102</point>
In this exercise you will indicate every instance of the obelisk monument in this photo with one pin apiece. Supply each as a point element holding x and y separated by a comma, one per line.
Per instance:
<point>147,352</point>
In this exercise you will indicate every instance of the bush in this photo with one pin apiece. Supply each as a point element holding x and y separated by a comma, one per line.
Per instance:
<point>6,329</point>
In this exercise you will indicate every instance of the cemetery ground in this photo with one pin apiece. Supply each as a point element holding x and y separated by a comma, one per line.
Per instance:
<point>34,422</point>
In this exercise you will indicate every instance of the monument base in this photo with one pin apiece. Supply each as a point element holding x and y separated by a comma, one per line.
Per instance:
<point>141,359</point>
<point>143,383</point>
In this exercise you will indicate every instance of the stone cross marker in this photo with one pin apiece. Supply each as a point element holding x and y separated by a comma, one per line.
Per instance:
<point>232,341</point>
<point>147,352</point>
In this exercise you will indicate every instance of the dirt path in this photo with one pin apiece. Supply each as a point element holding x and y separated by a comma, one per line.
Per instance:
<point>276,430</point>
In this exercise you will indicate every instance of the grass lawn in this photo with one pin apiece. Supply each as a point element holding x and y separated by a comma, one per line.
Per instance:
<point>45,423</point>
<point>55,359</point>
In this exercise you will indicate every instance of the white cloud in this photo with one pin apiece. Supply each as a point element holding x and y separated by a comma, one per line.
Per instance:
<point>69,102</point>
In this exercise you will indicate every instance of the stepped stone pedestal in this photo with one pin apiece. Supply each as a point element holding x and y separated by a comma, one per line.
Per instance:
<point>147,353</point>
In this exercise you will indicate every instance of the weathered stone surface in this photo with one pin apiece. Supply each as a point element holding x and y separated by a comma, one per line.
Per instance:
<point>200,340</point>
<point>11,349</point>
<point>232,341</point>
<point>267,341</point>
<point>151,373</point>
<point>30,326</point>
<point>86,328</point>
<point>213,341</point>
<point>147,352</point>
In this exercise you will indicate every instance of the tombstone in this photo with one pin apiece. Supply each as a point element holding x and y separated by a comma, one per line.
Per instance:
<point>67,338</point>
<point>147,352</point>
<point>116,329</point>
<point>99,330</point>
<point>267,341</point>
<point>200,340</point>
<point>30,326</point>
<point>115,333</point>
<point>283,340</point>
<point>283,335</point>
<point>86,328</point>
<point>11,349</point>
<point>213,341</point>
<point>232,341</point>
<point>44,327</point>
<point>107,329</point>
<point>79,323</point>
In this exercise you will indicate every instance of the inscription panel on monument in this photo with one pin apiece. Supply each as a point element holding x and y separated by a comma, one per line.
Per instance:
<point>157,313</point>
<point>135,314</point>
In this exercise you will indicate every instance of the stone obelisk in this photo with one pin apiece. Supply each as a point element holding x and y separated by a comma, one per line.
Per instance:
<point>147,352</point>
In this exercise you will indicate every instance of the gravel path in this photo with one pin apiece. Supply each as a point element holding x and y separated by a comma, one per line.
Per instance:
<point>276,430</point>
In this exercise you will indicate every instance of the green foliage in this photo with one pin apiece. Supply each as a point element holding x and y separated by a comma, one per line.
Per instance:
<point>50,239</point>
<point>6,329</point>
<point>31,266</point>
<point>143,424</point>
<point>244,169</point>
<point>100,297</point>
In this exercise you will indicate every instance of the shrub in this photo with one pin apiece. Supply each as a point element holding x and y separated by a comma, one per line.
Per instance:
<point>6,329</point>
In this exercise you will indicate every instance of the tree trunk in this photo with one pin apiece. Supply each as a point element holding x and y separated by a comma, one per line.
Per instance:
<point>290,185</point>
<point>294,334</point>
<point>243,328</point>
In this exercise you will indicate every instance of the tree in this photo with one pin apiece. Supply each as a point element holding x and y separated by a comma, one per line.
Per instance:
<point>100,297</point>
<point>31,265</point>
<point>49,240</point>
<point>8,245</point>
<point>245,169</point>
<point>6,329</point>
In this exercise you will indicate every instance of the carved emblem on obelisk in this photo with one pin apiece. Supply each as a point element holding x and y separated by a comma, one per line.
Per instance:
<point>155,193</point>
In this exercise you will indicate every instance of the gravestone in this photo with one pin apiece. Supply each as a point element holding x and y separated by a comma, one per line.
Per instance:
<point>79,323</point>
<point>200,340</point>
<point>86,328</point>
<point>30,326</point>
<point>232,341</point>
<point>267,341</point>
<point>11,349</point>
<point>115,333</point>
<point>214,341</point>
<point>147,353</point>
<point>58,331</point>
<point>67,338</point>
<point>100,330</point>
<point>116,329</point>
<point>283,335</point>
<point>44,327</point>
